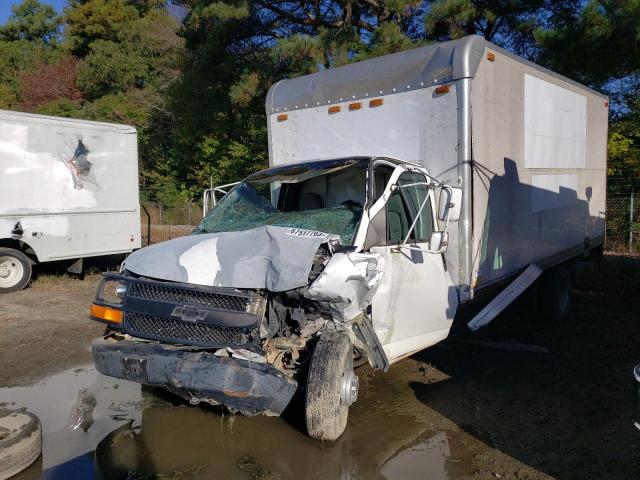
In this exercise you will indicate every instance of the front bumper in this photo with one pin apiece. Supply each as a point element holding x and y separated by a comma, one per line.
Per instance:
<point>241,385</point>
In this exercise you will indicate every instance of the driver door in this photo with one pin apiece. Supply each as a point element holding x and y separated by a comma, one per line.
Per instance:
<point>416,301</point>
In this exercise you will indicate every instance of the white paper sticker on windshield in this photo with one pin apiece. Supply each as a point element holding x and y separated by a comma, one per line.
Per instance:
<point>305,233</point>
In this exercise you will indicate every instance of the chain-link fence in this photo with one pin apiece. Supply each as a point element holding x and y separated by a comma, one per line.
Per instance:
<point>623,223</point>
<point>161,222</point>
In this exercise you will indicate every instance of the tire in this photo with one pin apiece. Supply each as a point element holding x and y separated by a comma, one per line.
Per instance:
<point>555,293</point>
<point>331,387</point>
<point>20,441</point>
<point>15,270</point>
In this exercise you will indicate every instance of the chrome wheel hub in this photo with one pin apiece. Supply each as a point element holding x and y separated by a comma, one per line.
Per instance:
<point>349,392</point>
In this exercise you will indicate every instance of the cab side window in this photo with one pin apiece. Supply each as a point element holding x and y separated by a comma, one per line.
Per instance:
<point>403,207</point>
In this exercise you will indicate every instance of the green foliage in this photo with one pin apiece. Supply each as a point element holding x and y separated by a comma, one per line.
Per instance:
<point>61,107</point>
<point>603,42</point>
<point>388,38</point>
<point>8,97</point>
<point>90,20</point>
<point>195,90</point>
<point>452,19</point>
<point>110,68</point>
<point>32,21</point>
<point>16,58</point>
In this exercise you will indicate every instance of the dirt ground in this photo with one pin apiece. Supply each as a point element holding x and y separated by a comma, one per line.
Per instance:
<point>561,411</point>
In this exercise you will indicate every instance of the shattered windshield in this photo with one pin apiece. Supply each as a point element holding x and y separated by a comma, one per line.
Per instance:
<point>323,196</point>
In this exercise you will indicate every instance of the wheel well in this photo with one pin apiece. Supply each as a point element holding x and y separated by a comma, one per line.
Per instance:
<point>20,246</point>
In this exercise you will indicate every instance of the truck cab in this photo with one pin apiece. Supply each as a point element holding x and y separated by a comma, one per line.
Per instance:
<point>296,273</point>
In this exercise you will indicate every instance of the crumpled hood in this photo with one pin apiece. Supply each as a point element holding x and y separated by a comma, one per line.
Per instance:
<point>269,257</point>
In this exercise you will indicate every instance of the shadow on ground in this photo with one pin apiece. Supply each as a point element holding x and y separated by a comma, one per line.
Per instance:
<point>567,412</point>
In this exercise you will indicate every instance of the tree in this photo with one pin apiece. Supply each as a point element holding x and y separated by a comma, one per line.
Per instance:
<point>47,82</point>
<point>110,67</point>
<point>601,48</point>
<point>602,43</point>
<point>32,21</point>
<point>17,57</point>
<point>90,20</point>
<point>509,23</point>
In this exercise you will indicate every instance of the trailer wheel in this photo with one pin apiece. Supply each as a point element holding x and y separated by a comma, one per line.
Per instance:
<point>332,387</point>
<point>555,293</point>
<point>15,270</point>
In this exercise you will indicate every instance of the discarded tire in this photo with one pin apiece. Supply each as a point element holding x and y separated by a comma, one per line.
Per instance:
<point>332,387</point>
<point>15,270</point>
<point>20,441</point>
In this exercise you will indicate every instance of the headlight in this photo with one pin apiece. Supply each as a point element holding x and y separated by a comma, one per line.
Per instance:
<point>107,306</point>
<point>111,290</point>
<point>121,290</point>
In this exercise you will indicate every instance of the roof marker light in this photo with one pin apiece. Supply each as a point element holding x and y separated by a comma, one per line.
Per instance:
<point>491,56</point>
<point>355,106</point>
<point>283,117</point>
<point>442,89</point>
<point>376,102</point>
<point>334,109</point>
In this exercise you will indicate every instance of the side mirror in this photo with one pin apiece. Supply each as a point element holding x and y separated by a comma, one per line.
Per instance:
<point>438,242</point>
<point>450,204</point>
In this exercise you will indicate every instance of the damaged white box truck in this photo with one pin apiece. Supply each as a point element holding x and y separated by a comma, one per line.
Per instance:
<point>68,190</point>
<point>399,188</point>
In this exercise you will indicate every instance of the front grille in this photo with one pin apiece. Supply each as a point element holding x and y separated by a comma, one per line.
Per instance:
<point>170,294</point>
<point>186,333</point>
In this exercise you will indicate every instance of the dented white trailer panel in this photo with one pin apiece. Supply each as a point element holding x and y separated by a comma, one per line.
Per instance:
<point>71,185</point>
<point>527,146</point>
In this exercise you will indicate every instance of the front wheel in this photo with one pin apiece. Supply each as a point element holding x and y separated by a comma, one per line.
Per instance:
<point>332,387</point>
<point>15,270</point>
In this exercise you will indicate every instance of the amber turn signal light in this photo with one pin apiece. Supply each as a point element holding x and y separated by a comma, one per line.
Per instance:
<point>491,56</point>
<point>106,314</point>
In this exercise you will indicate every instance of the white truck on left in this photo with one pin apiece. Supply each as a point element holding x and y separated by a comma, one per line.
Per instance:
<point>68,190</point>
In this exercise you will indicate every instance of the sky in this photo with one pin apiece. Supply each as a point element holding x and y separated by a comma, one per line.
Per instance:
<point>5,7</point>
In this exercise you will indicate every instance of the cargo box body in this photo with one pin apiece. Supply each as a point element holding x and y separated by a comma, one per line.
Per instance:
<point>68,188</point>
<point>527,146</point>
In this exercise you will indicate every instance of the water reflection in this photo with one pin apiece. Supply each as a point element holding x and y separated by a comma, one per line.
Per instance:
<point>97,427</point>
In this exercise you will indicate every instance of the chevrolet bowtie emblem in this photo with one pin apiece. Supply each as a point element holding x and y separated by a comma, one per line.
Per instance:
<point>189,313</point>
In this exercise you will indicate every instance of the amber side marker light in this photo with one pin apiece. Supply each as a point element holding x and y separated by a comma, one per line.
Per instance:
<point>355,106</point>
<point>376,102</point>
<point>106,314</point>
<point>443,89</point>
<point>283,117</point>
<point>491,56</point>
<point>334,109</point>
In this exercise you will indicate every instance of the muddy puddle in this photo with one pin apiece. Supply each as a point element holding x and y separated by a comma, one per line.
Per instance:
<point>101,428</point>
